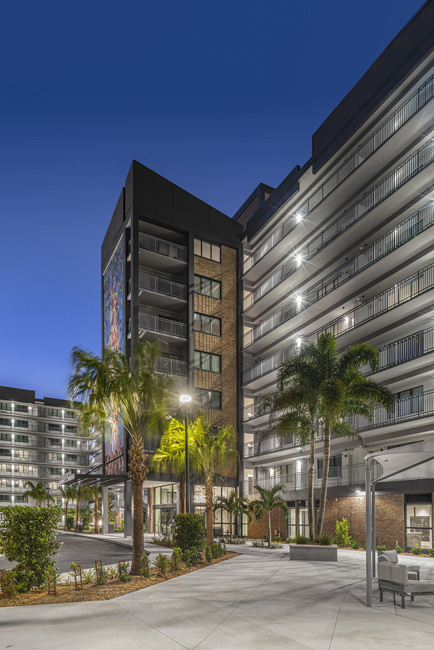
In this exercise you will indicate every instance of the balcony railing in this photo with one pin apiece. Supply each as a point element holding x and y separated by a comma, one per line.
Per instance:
<point>400,117</point>
<point>171,367</point>
<point>406,409</point>
<point>414,225</point>
<point>390,184</point>
<point>162,326</point>
<point>409,288</point>
<point>163,286</point>
<point>163,247</point>
<point>345,475</point>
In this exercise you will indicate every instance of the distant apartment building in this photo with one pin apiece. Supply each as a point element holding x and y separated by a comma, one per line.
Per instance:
<point>41,442</point>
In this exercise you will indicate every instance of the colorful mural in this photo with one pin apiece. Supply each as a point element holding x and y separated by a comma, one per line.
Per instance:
<point>114,439</point>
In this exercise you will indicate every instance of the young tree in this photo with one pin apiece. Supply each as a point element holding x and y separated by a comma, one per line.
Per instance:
<point>68,493</point>
<point>140,398</point>
<point>81,494</point>
<point>95,492</point>
<point>234,505</point>
<point>170,455</point>
<point>37,492</point>
<point>209,454</point>
<point>268,502</point>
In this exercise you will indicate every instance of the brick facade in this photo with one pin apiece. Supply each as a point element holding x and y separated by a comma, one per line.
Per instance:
<point>259,529</point>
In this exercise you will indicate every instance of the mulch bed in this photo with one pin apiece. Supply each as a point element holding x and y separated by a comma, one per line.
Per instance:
<point>113,588</point>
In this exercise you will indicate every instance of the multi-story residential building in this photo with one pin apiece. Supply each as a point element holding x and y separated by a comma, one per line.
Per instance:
<point>40,441</point>
<point>345,244</point>
<point>170,269</point>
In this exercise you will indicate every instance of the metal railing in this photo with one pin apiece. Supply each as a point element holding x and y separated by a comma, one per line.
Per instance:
<point>409,288</point>
<point>162,325</point>
<point>345,475</point>
<point>408,408</point>
<point>163,247</point>
<point>401,116</point>
<point>387,186</point>
<point>163,286</point>
<point>410,228</point>
<point>171,366</point>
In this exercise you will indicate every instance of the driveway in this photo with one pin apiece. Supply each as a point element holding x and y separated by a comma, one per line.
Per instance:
<point>256,601</point>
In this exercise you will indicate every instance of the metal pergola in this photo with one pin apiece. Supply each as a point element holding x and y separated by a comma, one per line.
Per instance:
<point>397,464</point>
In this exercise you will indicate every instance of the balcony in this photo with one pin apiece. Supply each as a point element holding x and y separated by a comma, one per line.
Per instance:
<point>159,290</point>
<point>173,367</point>
<point>164,327</point>
<point>161,254</point>
<point>388,186</point>
<point>400,117</point>
<point>345,475</point>
<point>407,231</point>
<point>410,288</point>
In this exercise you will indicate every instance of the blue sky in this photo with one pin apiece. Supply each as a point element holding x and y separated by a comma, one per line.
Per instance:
<point>215,96</point>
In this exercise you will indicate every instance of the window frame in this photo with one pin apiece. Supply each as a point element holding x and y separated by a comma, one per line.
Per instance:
<point>201,291</point>
<point>200,320</point>
<point>215,250</point>
<point>201,355</point>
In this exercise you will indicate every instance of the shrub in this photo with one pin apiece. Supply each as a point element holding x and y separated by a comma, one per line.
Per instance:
<point>238,540</point>
<point>189,532</point>
<point>112,572</point>
<point>27,537</point>
<point>70,523</point>
<point>416,550</point>
<point>88,576</point>
<point>176,559</point>
<point>364,546</point>
<point>355,545</point>
<point>196,556</point>
<point>381,547</point>
<point>431,552</point>
<point>162,563</point>
<point>276,545</point>
<point>217,550</point>
<point>398,548</point>
<point>324,540</point>
<point>342,533</point>
<point>8,586</point>
<point>277,539</point>
<point>186,556</point>
<point>124,571</point>
<point>166,540</point>
<point>208,554</point>
<point>259,543</point>
<point>101,573</point>
<point>301,539</point>
<point>145,569</point>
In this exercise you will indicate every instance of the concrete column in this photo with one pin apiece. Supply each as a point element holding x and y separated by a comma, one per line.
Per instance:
<point>128,508</point>
<point>104,510</point>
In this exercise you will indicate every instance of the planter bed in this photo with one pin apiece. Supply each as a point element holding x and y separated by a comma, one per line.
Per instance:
<point>313,553</point>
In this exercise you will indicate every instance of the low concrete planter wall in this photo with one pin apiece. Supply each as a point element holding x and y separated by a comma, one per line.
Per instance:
<point>307,553</point>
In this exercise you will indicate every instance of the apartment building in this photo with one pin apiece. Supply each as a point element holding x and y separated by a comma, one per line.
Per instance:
<point>41,442</point>
<point>170,266</point>
<point>345,244</point>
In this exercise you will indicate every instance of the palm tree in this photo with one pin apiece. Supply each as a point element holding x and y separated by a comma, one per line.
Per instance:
<point>266,504</point>
<point>170,455</point>
<point>235,506</point>
<point>37,492</point>
<point>68,493</point>
<point>209,453</point>
<point>95,492</point>
<point>81,494</point>
<point>139,397</point>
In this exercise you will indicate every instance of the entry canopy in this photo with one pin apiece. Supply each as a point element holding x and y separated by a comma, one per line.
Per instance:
<point>408,462</point>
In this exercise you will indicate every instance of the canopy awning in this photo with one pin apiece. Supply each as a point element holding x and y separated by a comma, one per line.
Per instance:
<point>104,480</point>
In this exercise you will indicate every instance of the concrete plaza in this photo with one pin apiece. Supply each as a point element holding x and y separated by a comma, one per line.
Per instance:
<point>259,600</point>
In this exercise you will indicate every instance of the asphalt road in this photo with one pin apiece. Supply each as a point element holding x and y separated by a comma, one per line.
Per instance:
<point>84,551</point>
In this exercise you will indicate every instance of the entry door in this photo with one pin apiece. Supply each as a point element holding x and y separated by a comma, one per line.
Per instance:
<point>418,530</point>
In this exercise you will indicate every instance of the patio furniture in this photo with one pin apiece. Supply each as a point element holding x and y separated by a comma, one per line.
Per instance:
<point>392,558</point>
<point>394,579</point>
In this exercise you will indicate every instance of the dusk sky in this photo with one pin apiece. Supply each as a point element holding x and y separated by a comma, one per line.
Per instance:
<point>216,97</point>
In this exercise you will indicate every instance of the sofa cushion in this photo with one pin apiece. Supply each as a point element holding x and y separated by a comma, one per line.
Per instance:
<point>390,556</point>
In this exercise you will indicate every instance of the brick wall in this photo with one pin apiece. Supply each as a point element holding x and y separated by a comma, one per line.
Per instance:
<point>259,529</point>
<point>390,525</point>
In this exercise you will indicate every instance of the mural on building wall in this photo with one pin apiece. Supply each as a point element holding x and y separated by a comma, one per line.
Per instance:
<point>114,440</point>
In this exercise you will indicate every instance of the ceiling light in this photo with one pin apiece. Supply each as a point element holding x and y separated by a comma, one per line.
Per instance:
<point>298,217</point>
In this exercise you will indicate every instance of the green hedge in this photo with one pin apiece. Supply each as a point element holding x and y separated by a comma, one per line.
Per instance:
<point>189,532</point>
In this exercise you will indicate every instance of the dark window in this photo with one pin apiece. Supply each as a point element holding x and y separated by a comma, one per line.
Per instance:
<point>206,361</point>
<point>210,399</point>
<point>207,324</point>
<point>409,401</point>
<point>71,458</point>
<point>207,287</point>
<point>23,424</point>
<point>70,429</point>
<point>5,406</point>
<point>5,422</point>
<point>335,467</point>
<point>54,427</point>
<point>19,437</point>
<point>6,437</point>
<point>20,408</point>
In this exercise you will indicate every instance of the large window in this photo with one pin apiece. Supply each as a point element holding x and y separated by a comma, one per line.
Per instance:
<point>207,287</point>
<point>5,406</point>
<point>54,427</point>
<point>209,399</point>
<point>207,324</point>
<point>206,249</point>
<point>335,467</point>
<point>409,401</point>
<point>206,361</point>
<point>20,408</point>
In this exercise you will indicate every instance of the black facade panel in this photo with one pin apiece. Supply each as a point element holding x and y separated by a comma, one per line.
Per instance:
<point>17,394</point>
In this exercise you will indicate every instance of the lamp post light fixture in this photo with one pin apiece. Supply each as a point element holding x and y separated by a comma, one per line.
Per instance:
<point>185,400</point>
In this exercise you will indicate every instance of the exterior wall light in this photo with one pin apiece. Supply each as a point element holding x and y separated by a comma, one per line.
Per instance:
<point>298,259</point>
<point>298,217</point>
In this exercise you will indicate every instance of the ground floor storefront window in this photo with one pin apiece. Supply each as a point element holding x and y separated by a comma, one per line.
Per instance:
<point>418,522</point>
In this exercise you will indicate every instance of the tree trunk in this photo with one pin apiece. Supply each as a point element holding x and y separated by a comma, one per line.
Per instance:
<point>96,512</point>
<point>138,538</point>
<point>77,515</point>
<point>208,499</point>
<point>66,512</point>
<point>230,525</point>
<point>269,529</point>
<point>324,478</point>
<point>182,493</point>
<point>310,485</point>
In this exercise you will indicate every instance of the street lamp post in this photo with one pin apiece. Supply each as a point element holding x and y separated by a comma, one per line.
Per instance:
<point>185,399</point>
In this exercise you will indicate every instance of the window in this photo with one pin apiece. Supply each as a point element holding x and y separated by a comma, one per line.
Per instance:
<point>57,413</point>
<point>20,408</point>
<point>5,422</point>
<point>70,429</point>
<point>5,406</point>
<point>71,458</point>
<point>210,399</point>
<point>54,427</point>
<point>206,361</point>
<point>70,415</point>
<point>207,324</point>
<point>19,437</point>
<point>335,467</point>
<point>21,453</point>
<point>286,475</point>
<point>6,437</point>
<point>55,442</point>
<point>70,443</point>
<point>55,457</point>
<point>207,250</point>
<point>55,471</point>
<point>409,401</point>
<point>22,424</point>
<point>5,452</point>
<point>207,287</point>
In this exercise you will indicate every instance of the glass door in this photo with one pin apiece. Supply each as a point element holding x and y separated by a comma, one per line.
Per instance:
<point>418,530</point>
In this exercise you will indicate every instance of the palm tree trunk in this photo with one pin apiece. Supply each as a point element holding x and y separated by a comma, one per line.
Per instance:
<point>95,501</point>
<point>208,499</point>
<point>66,512</point>
<point>230,525</point>
<point>324,477</point>
<point>138,538</point>
<point>269,529</point>
<point>310,485</point>
<point>77,515</point>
